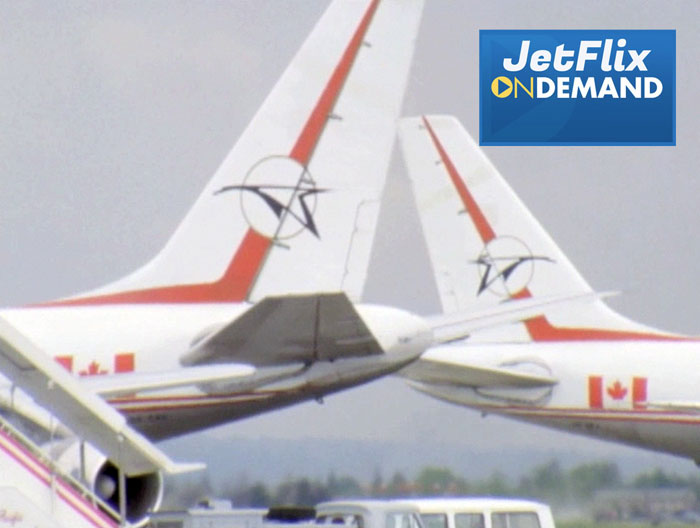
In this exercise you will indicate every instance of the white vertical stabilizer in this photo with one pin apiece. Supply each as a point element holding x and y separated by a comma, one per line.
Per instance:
<point>486,247</point>
<point>293,207</point>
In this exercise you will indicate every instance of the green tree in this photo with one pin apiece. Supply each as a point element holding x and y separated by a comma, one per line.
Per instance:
<point>399,486</point>
<point>255,496</point>
<point>658,478</point>
<point>585,479</point>
<point>439,481</point>
<point>301,492</point>
<point>377,486</point>
<point>546,481</point>
<point>186,491</point>
<point>496,484</point>
<point>343,487</point>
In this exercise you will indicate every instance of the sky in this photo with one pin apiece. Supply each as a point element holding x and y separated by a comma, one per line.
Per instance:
<point>114,115</point>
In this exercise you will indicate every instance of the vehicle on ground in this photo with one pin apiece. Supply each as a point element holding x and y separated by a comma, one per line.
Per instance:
<point>483,512</point>
<point>368,514</point>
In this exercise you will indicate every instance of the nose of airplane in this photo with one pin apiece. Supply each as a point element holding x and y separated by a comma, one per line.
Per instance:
<point>402,335</point>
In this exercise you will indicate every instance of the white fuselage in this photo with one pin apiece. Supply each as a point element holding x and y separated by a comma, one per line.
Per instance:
<point>109,339</point>
<point>608,390</point>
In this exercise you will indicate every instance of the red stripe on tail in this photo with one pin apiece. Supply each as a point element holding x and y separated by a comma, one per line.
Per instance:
<point>540,329</point>
<point>233,286</point>
<point>482,225</point>
<point>306,143</point>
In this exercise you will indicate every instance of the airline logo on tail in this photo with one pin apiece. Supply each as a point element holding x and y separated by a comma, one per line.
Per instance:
<point>506,266</point>
<point>282,186</point>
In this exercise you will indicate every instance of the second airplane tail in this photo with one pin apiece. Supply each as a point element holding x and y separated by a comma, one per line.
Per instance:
<point>485,245</point>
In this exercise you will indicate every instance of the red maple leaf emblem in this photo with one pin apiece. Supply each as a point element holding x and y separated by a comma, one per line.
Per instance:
<point>617,391</point>
<point>93,369</point>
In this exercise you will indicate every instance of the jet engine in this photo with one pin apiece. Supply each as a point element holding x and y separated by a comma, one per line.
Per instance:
<point>144,493</point>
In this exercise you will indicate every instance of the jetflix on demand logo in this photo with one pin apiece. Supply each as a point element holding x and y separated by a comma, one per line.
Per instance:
<point>577,87</point>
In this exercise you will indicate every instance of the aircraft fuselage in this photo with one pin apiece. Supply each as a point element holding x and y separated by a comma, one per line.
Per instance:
<point>93,341</point>
<point>613,390</point>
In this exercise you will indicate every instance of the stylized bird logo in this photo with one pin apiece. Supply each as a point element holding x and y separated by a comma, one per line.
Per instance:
<point>297,199</point>
<point>501,268</point>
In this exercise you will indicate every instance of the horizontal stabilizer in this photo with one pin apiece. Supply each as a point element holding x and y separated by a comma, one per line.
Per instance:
<point>85,413</point>
<point>458,325</point>
<point>262,377</point>
<point>443,367</point>
<point>290,329</point>
<point>133,382</point>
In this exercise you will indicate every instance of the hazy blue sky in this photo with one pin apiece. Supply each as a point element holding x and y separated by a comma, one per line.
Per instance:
<point>115,114</point>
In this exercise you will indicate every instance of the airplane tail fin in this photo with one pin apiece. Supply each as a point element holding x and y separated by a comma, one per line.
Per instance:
<point>293,207</point>
<point>485,245</point>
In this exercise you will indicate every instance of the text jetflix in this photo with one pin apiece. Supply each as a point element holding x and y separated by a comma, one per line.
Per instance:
<point>574,61</point>
<point>577,87</point>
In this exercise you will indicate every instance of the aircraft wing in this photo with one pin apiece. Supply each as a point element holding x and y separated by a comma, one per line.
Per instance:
<point>289,329</point>
<point>458,325</point>
<point>85,413</point>
<point>210,378</point>
<point>444,367</point>
<point>133,382</point>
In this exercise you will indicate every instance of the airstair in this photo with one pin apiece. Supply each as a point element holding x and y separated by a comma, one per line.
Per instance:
<point>35,492</point>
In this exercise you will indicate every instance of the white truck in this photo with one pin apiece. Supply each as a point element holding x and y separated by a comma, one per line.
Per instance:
<point>483,512</point>
<point>367,514</point>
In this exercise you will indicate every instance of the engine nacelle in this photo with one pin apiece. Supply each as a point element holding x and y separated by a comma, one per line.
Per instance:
<point>144,493</point>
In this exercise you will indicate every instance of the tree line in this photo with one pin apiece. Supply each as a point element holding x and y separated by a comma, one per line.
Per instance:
<point>548,482</point>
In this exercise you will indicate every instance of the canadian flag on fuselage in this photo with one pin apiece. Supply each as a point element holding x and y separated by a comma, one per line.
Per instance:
<point>614,393</point>
<point>122,362</point>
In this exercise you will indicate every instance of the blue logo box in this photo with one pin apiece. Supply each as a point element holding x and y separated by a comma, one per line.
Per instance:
<point>577,87</point>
